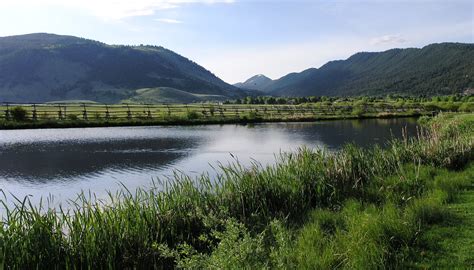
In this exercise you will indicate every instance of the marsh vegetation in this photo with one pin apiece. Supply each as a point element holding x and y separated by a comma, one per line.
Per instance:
<point>355,208</point>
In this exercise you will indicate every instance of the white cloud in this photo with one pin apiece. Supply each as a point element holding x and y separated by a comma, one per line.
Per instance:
<point>112,9</point>
<point>170,21</point>
<point>387,39</point>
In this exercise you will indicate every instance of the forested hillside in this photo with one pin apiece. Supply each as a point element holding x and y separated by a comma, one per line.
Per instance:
<point>436,69</point>
<point>46,67</point>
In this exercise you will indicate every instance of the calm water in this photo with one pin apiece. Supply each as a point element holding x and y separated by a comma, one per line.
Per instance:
<point>62,162</point>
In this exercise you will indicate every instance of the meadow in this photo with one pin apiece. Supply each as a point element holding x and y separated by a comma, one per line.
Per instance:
<point>358,208</point>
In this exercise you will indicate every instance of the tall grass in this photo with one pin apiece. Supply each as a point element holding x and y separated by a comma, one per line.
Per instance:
<point>191,218</point>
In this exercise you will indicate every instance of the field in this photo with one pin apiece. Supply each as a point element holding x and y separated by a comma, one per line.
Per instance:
<point>81,113</point>
<point>354,209</point>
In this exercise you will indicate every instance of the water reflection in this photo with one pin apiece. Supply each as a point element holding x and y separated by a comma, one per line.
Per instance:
<point>47,161</point>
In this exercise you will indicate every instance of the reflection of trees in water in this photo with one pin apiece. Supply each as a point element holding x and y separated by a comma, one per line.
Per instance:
<point>47,161</point>
<point>365,132</point>
<point>334,134</point>
<point>357,124</point>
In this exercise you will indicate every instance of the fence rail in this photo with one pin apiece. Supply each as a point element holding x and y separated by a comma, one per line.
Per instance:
<point>86,111</point>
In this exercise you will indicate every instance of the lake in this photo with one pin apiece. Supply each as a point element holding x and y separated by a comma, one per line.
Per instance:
<point>60,163</point>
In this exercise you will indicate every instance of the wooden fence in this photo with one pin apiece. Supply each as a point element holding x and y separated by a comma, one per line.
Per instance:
<point>92,111</point>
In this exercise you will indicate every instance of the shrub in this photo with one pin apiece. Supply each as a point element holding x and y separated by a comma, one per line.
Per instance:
<point>357,111</point>
<point>191,115</point>
<point>237,249</point>
<point>19,114</point>
<point>72,117</point>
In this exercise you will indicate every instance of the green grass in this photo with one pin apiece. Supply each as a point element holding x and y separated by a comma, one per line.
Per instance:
<point>353,209</point>
<point>360,233</point>
<point>169,95</point>
<point>450,244</point>
<point>382,236</point>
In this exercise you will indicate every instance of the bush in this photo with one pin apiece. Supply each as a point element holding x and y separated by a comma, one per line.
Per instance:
<point>253,115</point>
<point>72,117</point>
<point>237,249</point>
<point>191,115</point>
<point>19,114</point>
<point>357,111</point>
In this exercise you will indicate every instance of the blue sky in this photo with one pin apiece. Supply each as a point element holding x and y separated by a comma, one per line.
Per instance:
<point>236,39</point>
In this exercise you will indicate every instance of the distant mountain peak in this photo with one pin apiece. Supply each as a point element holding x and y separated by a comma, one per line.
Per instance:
<point>259,76</point>
<point>257,82</point>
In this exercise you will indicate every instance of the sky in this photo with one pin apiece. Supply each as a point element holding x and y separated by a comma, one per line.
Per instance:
<point>236,39</point>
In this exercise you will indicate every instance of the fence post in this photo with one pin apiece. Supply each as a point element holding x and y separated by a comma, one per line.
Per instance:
<point>107,114</point>
<point>35,114</point>
<point>84,112</point>
<point>7,113</point>
<point>169,110</point>
<point>60,112</point>
<point>149,112</point>
<point>129,113</point>
<point>204,112</point>
<point>222,111</point>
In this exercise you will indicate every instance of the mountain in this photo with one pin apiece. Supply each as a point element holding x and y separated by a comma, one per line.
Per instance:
<point>257,82</point>
<point>46,67</point>
<point>436,69</point>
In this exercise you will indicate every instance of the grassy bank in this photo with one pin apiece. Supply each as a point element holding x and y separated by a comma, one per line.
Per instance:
<point>192,120</point>
<point>353,209</point>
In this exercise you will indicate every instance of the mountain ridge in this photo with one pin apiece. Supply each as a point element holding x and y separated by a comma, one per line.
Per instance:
<point>435,69</point>
<point>42,67</point>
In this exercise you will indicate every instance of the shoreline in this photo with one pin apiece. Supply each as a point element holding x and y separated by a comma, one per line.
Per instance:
<point>55,124</point>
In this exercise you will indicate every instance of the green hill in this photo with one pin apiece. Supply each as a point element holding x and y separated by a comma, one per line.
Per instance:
<point>436,69</point>
<point>46,67</point>
<point>169,95</point>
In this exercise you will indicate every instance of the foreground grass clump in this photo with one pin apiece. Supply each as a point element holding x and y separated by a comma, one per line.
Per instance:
<point>357,235</point>
<point>356,208</point>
